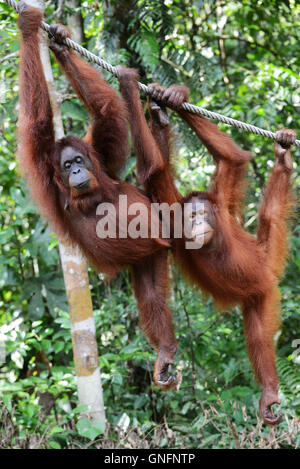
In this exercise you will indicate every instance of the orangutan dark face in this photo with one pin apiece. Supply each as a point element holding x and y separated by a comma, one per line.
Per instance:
<point>76,170</point>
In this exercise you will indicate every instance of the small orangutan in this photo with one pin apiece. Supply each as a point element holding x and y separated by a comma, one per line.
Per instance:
<point>230,264</point>
<point>71,177</point>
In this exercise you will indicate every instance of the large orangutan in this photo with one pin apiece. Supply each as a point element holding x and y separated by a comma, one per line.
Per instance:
<point>70,177</point>
<point>230,264</point>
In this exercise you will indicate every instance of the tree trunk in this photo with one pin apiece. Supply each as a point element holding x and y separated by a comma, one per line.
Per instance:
<point>75,22</point>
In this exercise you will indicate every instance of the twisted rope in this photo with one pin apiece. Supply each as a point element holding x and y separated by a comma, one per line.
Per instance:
<point>186,106</point>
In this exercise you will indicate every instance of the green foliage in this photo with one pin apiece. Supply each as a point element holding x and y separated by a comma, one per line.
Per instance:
<point>88,429</point>
<point>239,58</point>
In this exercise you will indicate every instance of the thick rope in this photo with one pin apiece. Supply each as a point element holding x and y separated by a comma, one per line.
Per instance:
<point>186,106</point>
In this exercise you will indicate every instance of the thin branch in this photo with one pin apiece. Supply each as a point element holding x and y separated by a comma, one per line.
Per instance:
<point>247,41</point>
<point>13,55</point>
<point>211,12</point>
<point>176,66</point>
<point>190,341</point>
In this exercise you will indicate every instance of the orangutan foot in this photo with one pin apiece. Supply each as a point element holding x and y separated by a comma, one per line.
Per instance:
<point>161,375</point>
<point>267,400</point>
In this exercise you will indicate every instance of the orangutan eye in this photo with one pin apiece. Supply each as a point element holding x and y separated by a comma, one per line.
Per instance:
<point>78,159</point>
<point>67,165</point>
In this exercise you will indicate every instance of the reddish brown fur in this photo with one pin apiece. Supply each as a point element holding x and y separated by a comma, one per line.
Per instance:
<point>237,268</point>
<point>73,216</point>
